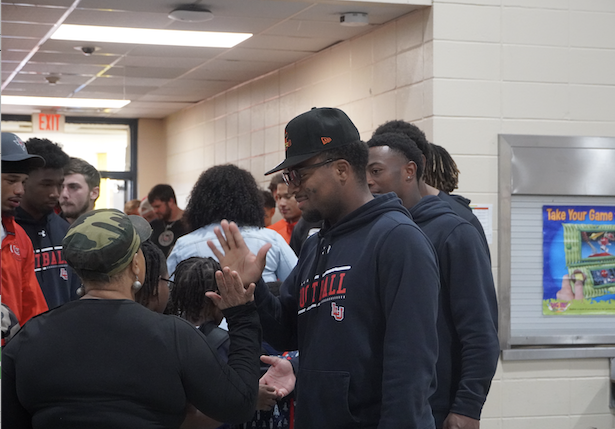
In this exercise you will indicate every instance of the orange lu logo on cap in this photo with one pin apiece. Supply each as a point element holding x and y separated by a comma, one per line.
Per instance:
<point>287,142</point>
<point>326,140</point>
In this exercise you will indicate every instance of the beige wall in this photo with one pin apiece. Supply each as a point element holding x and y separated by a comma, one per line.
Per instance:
<point>463,71</point>
<point>367,77</point>
<point>152,159</point>
<point>526,67</point>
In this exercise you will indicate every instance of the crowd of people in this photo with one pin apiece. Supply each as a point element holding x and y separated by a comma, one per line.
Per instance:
<point>370,302</point>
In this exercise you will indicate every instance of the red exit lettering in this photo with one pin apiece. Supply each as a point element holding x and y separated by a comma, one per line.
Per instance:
<point>49,122</point>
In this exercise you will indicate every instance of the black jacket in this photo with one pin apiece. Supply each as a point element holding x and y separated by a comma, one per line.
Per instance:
<point>58,281</point>
<point>461,207</point>
<point>101,364</point>
<point>361,307</point>
<point>467,319</point>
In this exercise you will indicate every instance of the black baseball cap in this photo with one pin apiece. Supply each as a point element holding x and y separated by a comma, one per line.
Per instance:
<point>316,131</point>
<point>15,156</point>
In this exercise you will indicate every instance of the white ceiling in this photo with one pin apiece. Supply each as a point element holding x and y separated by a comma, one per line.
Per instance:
<point>161,80</point>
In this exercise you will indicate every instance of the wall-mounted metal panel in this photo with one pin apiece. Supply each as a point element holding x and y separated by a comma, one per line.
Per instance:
<point>534,171</point>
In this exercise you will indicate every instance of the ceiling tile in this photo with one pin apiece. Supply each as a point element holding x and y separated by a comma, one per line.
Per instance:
<point>162,61</point>
<point>271,55</point>
<point>17,43</point>
<point>159,79</point>
<point>146,72</point>
<point>75,69</point>
<point>42,14</point>
<point>37,31</point>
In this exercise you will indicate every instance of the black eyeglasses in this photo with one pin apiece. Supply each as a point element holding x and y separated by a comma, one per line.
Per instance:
<point>170,283</point>
<point>293,176</point>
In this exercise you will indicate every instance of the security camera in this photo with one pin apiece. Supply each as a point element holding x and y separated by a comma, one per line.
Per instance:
<point>88,50</point>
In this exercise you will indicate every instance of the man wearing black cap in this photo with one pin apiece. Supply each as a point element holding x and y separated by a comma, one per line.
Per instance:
<point>45,228</point>
<point>361,304</point>
<point>20,289</point>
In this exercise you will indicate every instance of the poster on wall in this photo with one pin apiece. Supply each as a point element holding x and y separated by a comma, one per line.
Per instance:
<point>578,260</point>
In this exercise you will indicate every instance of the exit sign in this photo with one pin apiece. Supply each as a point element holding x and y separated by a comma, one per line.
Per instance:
<point>48,122</point>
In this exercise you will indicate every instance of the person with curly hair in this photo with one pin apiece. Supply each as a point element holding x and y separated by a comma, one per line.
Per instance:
<point>193,278</point>
<point>230,192</point>
<point>155,291</point>
<point>45,228</point>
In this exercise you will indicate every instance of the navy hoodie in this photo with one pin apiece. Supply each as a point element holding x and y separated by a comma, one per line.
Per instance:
<point>461,207</point>
<point>58,281</point>
<point>467,320</point>
<point>361,308</point>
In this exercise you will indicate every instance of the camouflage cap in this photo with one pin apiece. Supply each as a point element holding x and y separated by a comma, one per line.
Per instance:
<point>104,241</point>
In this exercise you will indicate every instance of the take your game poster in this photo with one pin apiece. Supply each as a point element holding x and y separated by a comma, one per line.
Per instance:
<point>579,260</point>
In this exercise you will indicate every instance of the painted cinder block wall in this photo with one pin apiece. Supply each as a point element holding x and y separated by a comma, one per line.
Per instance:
<point>463,71</point>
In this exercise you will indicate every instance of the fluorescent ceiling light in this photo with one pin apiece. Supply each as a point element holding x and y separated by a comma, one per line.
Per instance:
<point>146,36</point>
<point>63,102</point>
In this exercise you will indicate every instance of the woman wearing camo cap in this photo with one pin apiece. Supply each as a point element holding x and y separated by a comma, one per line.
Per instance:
<point>105,361</point>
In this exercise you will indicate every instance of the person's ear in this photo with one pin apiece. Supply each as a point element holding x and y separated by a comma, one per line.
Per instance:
<point>94,193</point>
<point>342,169</point>
<point>410,170</point>
<point>136,266</point>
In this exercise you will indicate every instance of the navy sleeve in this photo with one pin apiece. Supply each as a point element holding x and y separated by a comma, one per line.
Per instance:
<point>474,312</point>
<point>278,315</point>
<point>409,282</point>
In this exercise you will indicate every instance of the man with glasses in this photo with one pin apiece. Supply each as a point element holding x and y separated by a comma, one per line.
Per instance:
<point>361,304</point>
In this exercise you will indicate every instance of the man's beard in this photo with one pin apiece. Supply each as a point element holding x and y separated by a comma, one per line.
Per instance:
<point>77,212</point>
<point>312,215</point>
<point>166,217</point>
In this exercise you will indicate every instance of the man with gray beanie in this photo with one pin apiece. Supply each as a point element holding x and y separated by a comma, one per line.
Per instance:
<point>361,304</point>
<point>21,292</point>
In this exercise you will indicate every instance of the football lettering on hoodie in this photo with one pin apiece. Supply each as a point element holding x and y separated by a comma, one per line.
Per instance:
<point>49,257</point>
<point>323,288</point>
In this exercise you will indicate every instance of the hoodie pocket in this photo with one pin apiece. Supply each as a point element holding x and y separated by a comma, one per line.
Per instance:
<point>322,400</point>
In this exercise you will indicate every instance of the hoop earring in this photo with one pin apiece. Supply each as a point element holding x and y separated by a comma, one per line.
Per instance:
<point>137,284</point>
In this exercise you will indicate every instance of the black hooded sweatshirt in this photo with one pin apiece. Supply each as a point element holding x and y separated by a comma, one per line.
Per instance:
<point>461,207</point>
<point>467,319</point>
<point>361,308</point>
<point>58,281</point>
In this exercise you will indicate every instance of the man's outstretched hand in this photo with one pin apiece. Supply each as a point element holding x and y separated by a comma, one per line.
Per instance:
<point>236,255</point>
<point>279,375</point>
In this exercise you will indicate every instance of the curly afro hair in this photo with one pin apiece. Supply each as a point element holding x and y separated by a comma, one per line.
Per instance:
<point>225,192</point>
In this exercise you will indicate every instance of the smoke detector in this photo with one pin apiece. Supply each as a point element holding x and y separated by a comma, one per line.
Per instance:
<point>354,19</point>
<point>191,14</point>
<point>52,79</point>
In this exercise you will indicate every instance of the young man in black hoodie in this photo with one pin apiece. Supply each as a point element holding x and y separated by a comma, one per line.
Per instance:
<point>467,319</point>
<point>361,304</point>
<point>459,204</point>
<point>45,228</point>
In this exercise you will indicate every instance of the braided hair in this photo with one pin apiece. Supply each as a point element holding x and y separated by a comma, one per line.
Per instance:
<point>192,278</point>
<point>441,171</point>
<point>155,267</point>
